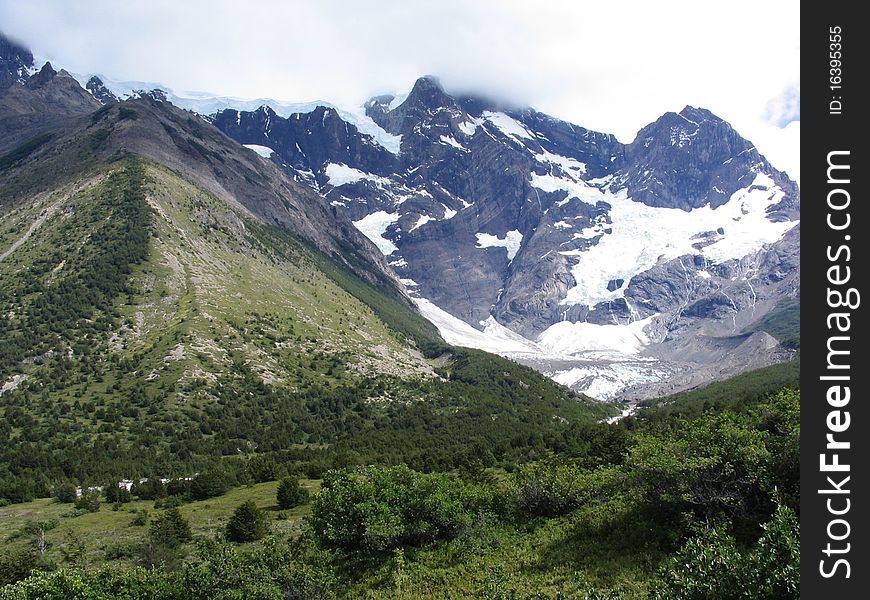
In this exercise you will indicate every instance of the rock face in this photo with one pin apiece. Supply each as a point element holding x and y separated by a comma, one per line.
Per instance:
<point>99,91</point>
<point>16,62</point>
<point>557,232</point>
<point>39,103</point>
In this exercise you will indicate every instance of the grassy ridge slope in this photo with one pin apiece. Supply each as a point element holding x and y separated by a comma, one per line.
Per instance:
<point>159,329</point>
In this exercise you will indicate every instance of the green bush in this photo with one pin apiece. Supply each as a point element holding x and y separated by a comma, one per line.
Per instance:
<point>247,524</point>
<point>774,564</point>
<point>67,584</point>
<point>556,488</point>
<point>140,519</point>
<point>381,508</point>
<point>712,467</point>
<point>170,528</point>
<point>711,566</point>
<point>15,565</point>
<point>89,501</point>
<point>169,532</point>
<point>66,493</point>
<point>208,485</point>
<point>291,493</point>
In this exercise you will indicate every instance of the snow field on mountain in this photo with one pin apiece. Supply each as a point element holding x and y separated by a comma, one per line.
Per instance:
<point>642,235</point>
<point>451,142</point>
<point>509,126</point>
<point>611,350</point>
<point>605,381</point>
<point>567,338</point>
<point>567,164</point>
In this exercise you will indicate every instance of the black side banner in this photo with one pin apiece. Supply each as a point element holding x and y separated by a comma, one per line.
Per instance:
<point>835,364</point>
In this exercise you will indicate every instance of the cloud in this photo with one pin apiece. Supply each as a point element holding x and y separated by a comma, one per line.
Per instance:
<point>785,108</point>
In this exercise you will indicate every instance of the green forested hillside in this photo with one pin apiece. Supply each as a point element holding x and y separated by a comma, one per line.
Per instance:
<point>150,329</point>
<point>700,507</point>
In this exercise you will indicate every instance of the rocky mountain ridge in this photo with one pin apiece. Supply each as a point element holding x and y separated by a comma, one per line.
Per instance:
<point>508,218</point>
<point>625,264</point>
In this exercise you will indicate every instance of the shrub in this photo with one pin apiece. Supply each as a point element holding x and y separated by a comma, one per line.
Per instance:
<point>16,565</point>
<point>140,519</point>
<point>556,488</point>
<point>261,469</point>
<point>66,493</point>
<point>208,485</point>
<point>378,509</point>
<point>774,564</point>
<point>712,467</point>
<point>89,501</point>
<point>291,493</point>
<point>113,493</point>
<point>170,529</point>
<point>710,565</point>
<point>247,524</point>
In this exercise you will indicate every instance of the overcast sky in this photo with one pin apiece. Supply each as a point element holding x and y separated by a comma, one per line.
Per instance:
<point>610,66</point>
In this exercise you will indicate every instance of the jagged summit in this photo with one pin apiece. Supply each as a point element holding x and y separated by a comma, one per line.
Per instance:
<point>42,77</point>
<point>692,159</point>
<point>99,90</point>
<point>698,114</point>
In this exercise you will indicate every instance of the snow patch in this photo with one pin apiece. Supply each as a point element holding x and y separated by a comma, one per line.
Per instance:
<point>576,189</point>
<point>340,174</point>
<point>449,213</point>
<point>510,242</point>
<point>509,126</point>
<point>420,222</point>
<point>365,124</point>
<point>263,151</point>
<point>397,101</point>
<point>468,127</point>
<point>567,164</point>
<point>494,338</point>
<point>374,226</point>
<point>451,142</point>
